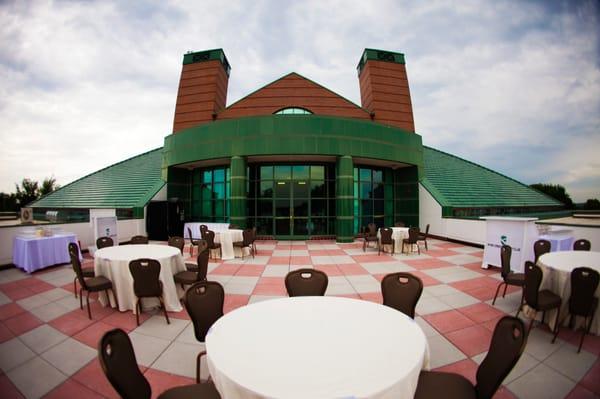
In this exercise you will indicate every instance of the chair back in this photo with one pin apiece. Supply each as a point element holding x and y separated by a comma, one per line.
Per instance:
<point>584,282</point>
<point>119,364</point>
<point>204,303</point>
<point>139,240</point>
<point>505,254</point>
<point>402,291</point>
<point>413,235</point>
<point>233,226</point>
<point>427,230</point>
<point>253,234</point>
<point>399,223</point>
<point>209,237</point>
<point>248,237</point>
<point>371,230</point>
<point>76,264</point>
<point>306,282</point>
<point>203,230</point>
<point>190,234</point>
<point>203,257</point>
<point>145,274</point>
<point>533,279</point>
<point>541,247</point>
<point>103,242</point>
<point>506,347</point>
<point>177,242</point>
<point>386,235</point>
<point>582,245</point>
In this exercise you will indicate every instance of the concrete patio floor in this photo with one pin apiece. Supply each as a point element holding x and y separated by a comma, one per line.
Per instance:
<point>48,345</point>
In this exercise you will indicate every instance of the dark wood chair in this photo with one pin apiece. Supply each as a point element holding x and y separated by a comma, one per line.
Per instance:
<point>539,300</point>
<point>87,272</point>
<point>247,237</point>
<point>254,240</point>
<point>209,236</point>
<point>506,347</point>
<point>104,242</point>
<point>399,223</point>
<point>139,240</point>
<point>306,282</point>
<point>146,284</point>
<point>413,239</point>
<point>91,284</point>
<point>370,236</point>
<point>508,276</point>
<point>177,242</point>
<point>541,247</point>
<point>423,237</point>
<point>584,282</point>
<point>582,245</point>
<point>197,272</point>
<point>204,303</point>
<point>402,291</point>
<point>203,230</point>
<point>385,238</point>
<point>118,362</point>
<point>193,242</point>
<point>233,226</point>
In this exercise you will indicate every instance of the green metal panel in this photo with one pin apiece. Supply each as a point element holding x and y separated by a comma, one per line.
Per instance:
<point>297,135</point>
<point>128,184</point>
<point>457,183</point>
<point>407,196</point>
<point>379,55</point>
<point>344,199</point>
<point>238,191</point>
<point>179,187</point>
<point>208,55</point>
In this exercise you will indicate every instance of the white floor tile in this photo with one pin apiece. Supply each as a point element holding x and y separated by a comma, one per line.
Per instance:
<point>36,378</point>
<point>442,352</point>
<point>50,311</point>
<point>14,353</point>
<point>156,326</point>
<point>568,362</point>
<point>147,349</point>
<point>42,338</point>
<point>69,356</point>
<point>541,383</point>
<point>180,358</point>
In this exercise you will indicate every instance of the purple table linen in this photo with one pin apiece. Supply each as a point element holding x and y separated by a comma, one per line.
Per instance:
<point>35,253</point>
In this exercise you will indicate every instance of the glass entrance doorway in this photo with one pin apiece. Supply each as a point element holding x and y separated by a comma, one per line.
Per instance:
<point>292,201</point>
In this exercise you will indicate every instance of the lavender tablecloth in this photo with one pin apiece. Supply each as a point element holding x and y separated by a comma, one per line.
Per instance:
<point>34,253</point>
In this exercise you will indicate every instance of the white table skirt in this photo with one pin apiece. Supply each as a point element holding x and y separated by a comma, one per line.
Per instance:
<point>113,263</point>
<point>316,347</point>
<point>35,253</point>
<point>398,234</point>
<point>223,235</point>
<point>557,268</point>
<point>195,227</point>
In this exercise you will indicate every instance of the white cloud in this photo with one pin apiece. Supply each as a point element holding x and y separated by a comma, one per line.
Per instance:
<point>513,85</point>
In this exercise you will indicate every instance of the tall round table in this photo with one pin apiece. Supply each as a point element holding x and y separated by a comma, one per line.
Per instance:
<point>316,347</point>
<point>113,263</point>
<point>557,268</point>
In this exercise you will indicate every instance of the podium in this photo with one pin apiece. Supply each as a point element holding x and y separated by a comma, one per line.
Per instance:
<point>518,232</point>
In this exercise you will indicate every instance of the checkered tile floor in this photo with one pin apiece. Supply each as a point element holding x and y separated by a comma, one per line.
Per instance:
<point>48,345</point>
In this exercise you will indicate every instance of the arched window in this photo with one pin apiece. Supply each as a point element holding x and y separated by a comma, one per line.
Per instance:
<point>293,111</point>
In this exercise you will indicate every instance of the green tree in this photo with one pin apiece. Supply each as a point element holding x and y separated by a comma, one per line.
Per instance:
<point>28,191</point>
<point>592,204</point>
<point>48,185</point>
<point>555,191</point>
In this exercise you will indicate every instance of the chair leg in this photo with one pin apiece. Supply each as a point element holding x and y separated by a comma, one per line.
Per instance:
<point>114,296</point>
<point>75,286</point>
<point>544,317</point>
<point>164,310</point>
<point>81,298</point>
<point>198,364</point>
<point>504,293</point>
<point>426,249</point>
<point>531,322</point>
<point>497,290</point>
<point>138,309</point>
<point>418,249</point>
<point>557,324</point>
<point>586,330</point>
<point>87,301</point>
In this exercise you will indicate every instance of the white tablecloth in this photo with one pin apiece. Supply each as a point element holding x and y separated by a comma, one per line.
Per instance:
<point>557,268</point>
<point>223,235</point>
<point>35,253</point>
<point>113,263</point>
<point>316,347</point>
<point>398,234</point>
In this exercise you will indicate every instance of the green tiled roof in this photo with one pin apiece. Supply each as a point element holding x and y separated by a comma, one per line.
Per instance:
<point>127,184</point>
<point>455,182</point>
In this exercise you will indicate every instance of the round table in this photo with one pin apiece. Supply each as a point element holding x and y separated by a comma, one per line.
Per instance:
<point>316,347</point>
<point>557,268</point>
<point>113,263</point>
<point>398,234</point>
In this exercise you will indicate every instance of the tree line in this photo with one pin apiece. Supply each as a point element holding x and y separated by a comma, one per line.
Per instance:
<point>29,190</point>
<point>559,193</point>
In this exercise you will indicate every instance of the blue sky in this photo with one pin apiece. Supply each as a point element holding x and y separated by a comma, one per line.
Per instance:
<point>511,85</point>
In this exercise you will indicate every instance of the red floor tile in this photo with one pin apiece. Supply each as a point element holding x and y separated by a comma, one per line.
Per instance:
<point>22,323</point>
<point>429,263</point>
<point>321,252</point>
<point>373,258</point>
<point>476,267</point>
<point>438,253</point>
<point>352,269</point>
<point>40,286</point>
<point>491,324</point>
<point>91,335</point>
<point>465,285</point>
<point>72,389</point>
<point>579,392</point>
<point>72,322</point>
<point>5,333</point>
<point>335,252</point>
<point>447,245</point>
<point>9,310</point>
<point>92,377</point>
<point>250,270</point>
<point>8,390</point>
<point>300,260</point>
<point>233,301</point>
<point>99,311</point>
<point>16,293</point>
<point>471,340</point>
<point>330,270</point>
<point>448,321</point>
<point>467,368</point>
<point>426,278</point>
<point>591,342</point>
<point>279,260</point>
<point>270,286</point>
<point>372,296</point>
<point>161,381</point>
<point>503,393</point>
<point>228,270</point>
<point>591,380</point>
<point>481,312</point>
<point>126,320</point>
<point>16,284</point>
